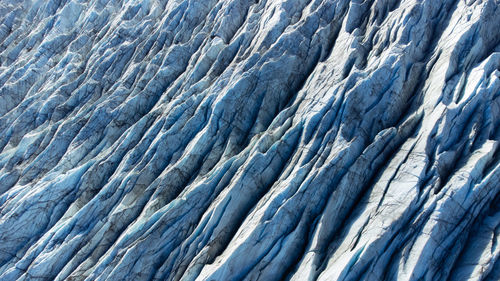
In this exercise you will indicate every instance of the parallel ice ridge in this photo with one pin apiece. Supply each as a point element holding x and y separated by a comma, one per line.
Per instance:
<point>249,140</point>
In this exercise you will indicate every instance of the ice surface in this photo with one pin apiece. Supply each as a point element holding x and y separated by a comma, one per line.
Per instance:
<point>249,140</point>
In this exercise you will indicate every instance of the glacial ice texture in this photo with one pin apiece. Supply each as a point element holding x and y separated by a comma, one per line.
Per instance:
<point>249,140</point>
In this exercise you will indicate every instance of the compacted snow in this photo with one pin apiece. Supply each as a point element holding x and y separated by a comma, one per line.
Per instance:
<point>249,140</point>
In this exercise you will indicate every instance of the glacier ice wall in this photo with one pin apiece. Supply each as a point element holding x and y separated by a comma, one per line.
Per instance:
<point>249,140</point>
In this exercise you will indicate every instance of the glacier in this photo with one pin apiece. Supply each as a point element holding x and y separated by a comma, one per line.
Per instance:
<point>249,140</point>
